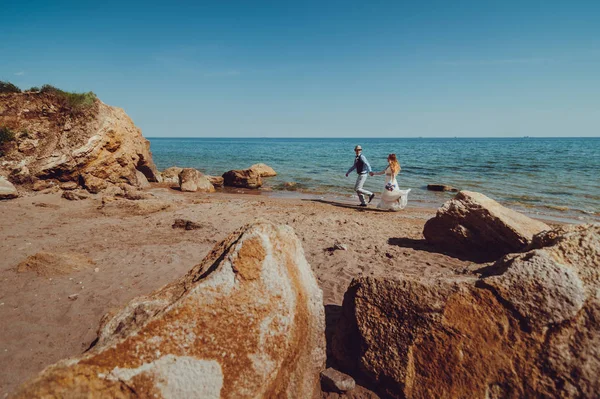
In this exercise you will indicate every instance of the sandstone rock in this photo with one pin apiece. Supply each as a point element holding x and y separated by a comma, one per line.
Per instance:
<point>40,185</point>
<point>263,170</point>
<point>248,322</point>
<point>7,190</point>
<point>132,193</point>
<point>94,184</point>
<point>75,195</point>
<point>141,180</point>
<point>171,175</point>
<point>247,178</point>
<point>441,187</point>
<point>216,181</point>
<point>70,185</point>
<point>49,264</point>
<point>21,175</point>
<point>101,141</point>
<point>192,180</point>
<point>472,223</point>
<point>186,224</point>
<point>336,381</point>
<point>528,327</point>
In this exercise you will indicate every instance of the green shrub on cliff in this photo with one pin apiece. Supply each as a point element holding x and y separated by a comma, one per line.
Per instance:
<point>7,87</point>
<point>75,102</point>
<point>34,88</point>
<point>6,135</point>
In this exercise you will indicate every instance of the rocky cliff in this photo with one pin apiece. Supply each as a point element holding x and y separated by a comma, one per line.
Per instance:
<point>51,140</point>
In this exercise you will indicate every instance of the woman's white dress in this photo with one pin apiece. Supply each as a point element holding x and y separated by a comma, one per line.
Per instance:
<point>393,200</point>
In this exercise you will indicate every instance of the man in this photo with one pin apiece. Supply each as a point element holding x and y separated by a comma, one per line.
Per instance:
<point>363,169</point>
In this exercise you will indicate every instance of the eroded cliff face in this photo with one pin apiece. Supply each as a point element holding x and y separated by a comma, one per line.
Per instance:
<point>54,142</point>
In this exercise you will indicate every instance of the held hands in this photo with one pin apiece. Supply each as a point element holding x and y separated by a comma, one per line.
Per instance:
<point>371,174</point>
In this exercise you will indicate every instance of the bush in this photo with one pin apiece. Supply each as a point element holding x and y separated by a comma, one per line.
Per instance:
<point>6,135</point>
<point>7,87</point>
<point>74,102</point>
<point>34,88</point>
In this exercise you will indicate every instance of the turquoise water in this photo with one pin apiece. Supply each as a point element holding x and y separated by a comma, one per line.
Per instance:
<point>553,176</point>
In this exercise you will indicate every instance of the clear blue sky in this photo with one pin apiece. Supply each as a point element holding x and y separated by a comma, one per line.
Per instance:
<point>319,68</point>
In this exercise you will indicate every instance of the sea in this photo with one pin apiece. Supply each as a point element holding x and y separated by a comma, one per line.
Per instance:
<point>552,178</point>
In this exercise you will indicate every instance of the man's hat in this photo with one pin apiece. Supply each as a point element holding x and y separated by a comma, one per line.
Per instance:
<point>357,148</point>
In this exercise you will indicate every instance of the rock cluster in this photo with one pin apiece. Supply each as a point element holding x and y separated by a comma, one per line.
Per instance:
<point>100,144</point>
<point>473,224</point>
<point>529,326</point>
<point>247,322</point>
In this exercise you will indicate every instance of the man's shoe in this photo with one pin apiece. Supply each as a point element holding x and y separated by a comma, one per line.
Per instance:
<point>371,197</point>
<point>362,204</point>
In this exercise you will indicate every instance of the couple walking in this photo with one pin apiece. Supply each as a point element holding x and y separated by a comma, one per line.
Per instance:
<point>392,198</point>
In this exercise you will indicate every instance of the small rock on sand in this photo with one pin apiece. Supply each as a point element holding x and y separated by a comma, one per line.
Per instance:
<point>73,296</point>
<point>186,224</point>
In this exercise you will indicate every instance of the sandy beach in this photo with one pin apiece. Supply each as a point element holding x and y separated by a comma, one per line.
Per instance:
<point>132,249</point>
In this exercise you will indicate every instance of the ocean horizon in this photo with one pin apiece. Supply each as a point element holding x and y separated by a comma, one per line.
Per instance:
<point>552,177</point>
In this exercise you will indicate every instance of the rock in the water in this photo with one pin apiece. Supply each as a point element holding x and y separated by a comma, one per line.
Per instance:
<point>472,224</point>
<point>48,264</point>
<point>290,185</point>
<point>528,327</point>
<point>248,322</point>
<point>441,187</point>
<point>100,140</point>
<point>7,190</point>
<point>74,195</point>
<point>186,224</point>
<point>263,170</point>
<point>171,175</point>
<point>216,181</point>
<point>336,381</point>
<point>247,178</point>
<point>192,180</point>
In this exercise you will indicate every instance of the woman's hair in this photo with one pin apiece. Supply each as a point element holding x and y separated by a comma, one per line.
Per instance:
<point>394,165</point>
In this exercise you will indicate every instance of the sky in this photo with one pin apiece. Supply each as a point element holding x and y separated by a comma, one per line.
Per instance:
<point>308,68</point>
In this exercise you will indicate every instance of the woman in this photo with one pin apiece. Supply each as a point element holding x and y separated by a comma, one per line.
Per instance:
<point>392,198</point>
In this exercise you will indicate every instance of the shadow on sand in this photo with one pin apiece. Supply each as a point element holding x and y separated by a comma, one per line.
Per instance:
<point>369,208</point>
<point>422,245</point>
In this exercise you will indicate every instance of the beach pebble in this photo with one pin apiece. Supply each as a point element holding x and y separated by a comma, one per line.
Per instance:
<point>96,270</point>
<point>336,381</point>
<point>340,246</point>
<point>73,296</point>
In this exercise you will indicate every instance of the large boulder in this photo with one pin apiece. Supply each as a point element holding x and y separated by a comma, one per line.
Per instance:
<point>529,326</point>
<point>263,170</point>
<point>472,224</point>
<point>53,142</point>
<point>247,322</point>
<point>192,180</point>
<point>171,175</point>
<point>216,181</point>
<point>7,189</point>
<point>247,178</point>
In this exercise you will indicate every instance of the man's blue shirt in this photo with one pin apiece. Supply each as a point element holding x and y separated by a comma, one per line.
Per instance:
<point>366,168</point>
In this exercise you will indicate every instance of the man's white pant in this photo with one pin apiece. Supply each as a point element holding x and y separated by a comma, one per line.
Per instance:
<point>358,187</point>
